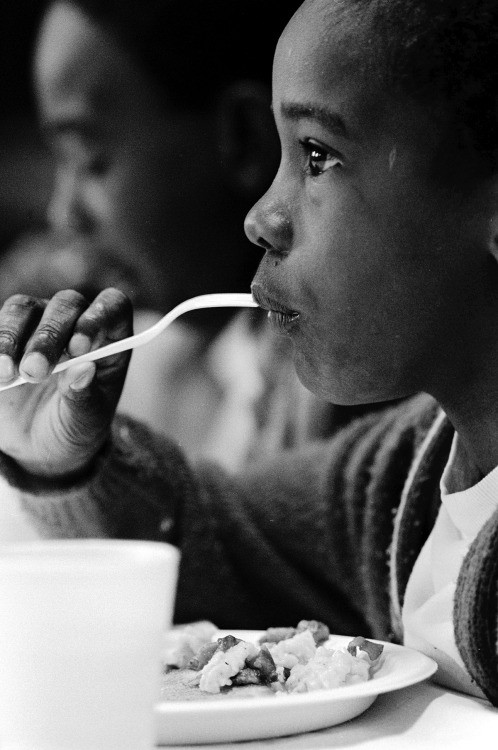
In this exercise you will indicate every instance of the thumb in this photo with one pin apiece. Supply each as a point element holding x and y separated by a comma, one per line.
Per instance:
<point>83,416</point>
<point>77,378</point>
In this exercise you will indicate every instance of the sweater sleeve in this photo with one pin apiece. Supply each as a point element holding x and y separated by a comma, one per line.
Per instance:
<point>268,546</point>
<point>476,610</point>
<point>132,490</point>
<point>275,544</point>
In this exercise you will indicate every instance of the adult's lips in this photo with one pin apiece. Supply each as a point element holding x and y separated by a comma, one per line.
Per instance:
<point>282,318</point>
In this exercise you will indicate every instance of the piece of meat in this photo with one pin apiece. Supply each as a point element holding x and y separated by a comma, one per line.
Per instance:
<point>374,650</point>
<point>265,665</point>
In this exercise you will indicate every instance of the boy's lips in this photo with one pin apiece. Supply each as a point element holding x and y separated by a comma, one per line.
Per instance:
<point>281,317</point>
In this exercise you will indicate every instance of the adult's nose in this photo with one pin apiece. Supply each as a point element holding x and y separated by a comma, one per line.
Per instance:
<point>65,211</point>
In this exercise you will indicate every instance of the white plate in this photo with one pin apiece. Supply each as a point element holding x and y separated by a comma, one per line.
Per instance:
<point>259,717</point>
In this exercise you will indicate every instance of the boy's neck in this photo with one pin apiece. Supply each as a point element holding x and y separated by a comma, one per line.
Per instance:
<point>466,381</point>
<point>475,418</point>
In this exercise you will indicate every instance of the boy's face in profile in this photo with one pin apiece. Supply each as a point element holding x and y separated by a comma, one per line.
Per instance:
<point>366,239</point>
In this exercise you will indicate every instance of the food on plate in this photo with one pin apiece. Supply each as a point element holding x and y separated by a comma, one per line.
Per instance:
<point>318,630</point>
<point>330,668</point>
<point>181,644</point>
<point>282,661</point>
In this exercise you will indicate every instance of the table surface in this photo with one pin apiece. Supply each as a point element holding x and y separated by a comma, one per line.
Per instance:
<point>421,716</point>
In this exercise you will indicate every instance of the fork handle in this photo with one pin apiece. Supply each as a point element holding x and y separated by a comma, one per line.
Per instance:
<point>203,301</point>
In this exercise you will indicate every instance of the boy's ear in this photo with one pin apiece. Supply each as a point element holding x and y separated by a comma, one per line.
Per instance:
<point>247,138</point>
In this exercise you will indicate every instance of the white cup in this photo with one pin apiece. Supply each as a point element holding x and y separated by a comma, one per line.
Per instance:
<point>81,626</point>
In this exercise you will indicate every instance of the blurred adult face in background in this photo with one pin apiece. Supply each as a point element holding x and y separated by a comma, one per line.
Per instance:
<point>156,188</point>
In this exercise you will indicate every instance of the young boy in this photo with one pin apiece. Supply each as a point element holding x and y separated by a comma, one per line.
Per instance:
<point>380,234</point>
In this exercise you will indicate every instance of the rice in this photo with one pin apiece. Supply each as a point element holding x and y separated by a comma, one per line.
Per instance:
<point>292,651</point>
<point>328,668</point>
<point>224,665</point>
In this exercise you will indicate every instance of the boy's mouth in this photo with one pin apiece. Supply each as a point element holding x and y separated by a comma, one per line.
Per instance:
<point>282,318</point>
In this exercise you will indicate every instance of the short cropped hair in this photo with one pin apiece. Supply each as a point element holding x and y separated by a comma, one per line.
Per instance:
<point>192,48</point>
<point>437,51</point>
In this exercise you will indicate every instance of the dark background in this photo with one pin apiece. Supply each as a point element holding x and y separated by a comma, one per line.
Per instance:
<point>25,166</point>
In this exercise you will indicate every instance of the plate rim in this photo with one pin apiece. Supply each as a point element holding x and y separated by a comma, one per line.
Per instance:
<point>378,685</point>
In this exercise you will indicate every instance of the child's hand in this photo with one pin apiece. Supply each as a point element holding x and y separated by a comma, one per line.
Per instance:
<point>54,426</point>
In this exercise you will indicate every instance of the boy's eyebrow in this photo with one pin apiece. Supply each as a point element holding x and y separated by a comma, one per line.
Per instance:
<point>326,117</point>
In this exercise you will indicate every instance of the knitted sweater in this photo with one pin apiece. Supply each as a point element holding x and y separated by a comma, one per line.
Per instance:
<point>330,532</point>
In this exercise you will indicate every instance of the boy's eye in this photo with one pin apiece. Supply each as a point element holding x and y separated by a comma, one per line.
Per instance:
<point>318,159</point>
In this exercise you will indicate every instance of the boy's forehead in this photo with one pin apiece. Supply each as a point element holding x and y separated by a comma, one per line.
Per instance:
<point>322,41</point>
<point>320,57</point>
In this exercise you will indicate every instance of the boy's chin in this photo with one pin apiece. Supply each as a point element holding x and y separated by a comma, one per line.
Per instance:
<point>338,387</point>
<point>320,382</point>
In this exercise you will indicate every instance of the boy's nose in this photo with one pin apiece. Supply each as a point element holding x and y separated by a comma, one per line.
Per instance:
<point>253,230</point>
<point>268,225</point>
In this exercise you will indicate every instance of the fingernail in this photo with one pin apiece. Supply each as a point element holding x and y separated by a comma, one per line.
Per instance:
<point>79,344</point>
<point>6,367</point>
<point>34,367</point>
<point>83,376</point>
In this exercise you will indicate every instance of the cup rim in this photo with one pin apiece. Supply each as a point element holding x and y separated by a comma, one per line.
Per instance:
<point>77,553</point>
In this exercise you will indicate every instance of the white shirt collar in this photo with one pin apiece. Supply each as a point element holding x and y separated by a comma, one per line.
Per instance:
<point>469,498</point>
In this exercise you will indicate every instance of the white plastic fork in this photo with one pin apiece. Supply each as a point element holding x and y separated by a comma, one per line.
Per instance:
<point>203,301</point>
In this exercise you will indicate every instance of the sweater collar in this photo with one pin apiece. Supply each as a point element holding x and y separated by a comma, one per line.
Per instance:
<point>420,501</point>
